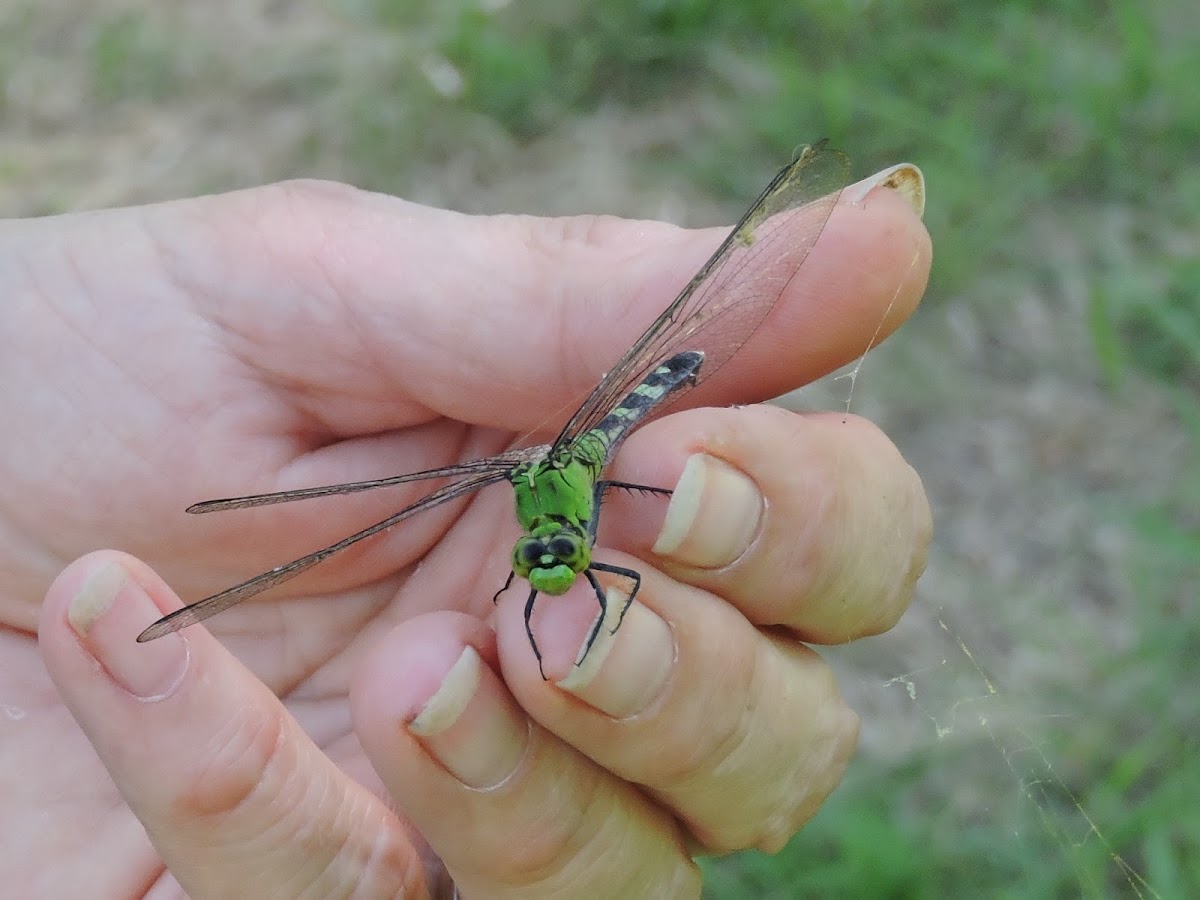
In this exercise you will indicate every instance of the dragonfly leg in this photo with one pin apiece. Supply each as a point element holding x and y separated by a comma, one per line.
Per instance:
<point>603,600</point>
<point>601,489</point>
<point>630,486</point>
<point>507,585</point>
<point>633,576</point>
<point>529,631</point>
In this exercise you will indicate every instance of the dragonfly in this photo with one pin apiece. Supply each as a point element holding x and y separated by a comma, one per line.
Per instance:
<point>559,487</point>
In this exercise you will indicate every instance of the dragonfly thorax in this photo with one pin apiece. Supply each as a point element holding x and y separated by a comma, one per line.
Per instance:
<point>550,556</point>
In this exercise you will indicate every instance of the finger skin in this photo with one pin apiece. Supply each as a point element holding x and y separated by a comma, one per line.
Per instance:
<point>845,525</point>
<point>744,738</point>
<point>500,320</point>
<point>66,832</point>
<point>235,797</point>
<point>549,824</point>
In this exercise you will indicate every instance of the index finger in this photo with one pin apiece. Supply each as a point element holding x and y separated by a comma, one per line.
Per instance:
<point>388,313</point>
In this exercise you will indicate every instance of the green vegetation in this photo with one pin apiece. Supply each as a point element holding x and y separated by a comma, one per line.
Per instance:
<point>1012,109</point>
<point>131,60</point>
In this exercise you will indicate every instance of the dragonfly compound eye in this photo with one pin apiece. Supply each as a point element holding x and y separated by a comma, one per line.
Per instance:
<point>532,551</point>
<point>563,547</point>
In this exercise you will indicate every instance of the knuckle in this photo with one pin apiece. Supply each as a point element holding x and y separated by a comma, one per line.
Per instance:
<point>561,836</point>
<point>549,236</point>
<point>306,191</point>
<point>242,758</point>
<point>693,757</point>
<point>762,771</point>
<point>813,775</point>
<point>913,537</point>
<point>865,542</point>
<point>601,834</point>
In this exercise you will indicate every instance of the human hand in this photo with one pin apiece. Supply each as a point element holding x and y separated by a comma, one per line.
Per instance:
<point>307,334</point>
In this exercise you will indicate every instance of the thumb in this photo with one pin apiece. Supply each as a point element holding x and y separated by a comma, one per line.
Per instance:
<point>378,313</point>
<point>233,794</point>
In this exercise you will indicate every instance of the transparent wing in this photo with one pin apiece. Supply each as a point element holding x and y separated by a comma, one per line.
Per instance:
<point>500,463</point>
<point>733,292</point>
<point>486,472</point>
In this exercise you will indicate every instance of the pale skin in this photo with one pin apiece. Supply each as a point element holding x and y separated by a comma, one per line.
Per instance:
<point>305,334</point>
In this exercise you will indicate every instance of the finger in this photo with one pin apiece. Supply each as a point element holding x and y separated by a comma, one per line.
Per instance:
<point>510,810</point>
<point>503,320</point>
<point>814,521</point>
<point>234,796</point>
<point>55,792</point>
<point>739,733</point>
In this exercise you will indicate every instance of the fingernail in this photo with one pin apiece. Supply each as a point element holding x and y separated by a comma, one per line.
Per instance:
<point>713,515</point>
<point>639,659</point>
<point>108,612</point>
<point>904,178</point>
<point>472,727</point>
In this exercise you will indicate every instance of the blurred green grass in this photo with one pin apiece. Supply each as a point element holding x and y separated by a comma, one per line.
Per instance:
<point>1011,108</point>
<point>1059,141</point>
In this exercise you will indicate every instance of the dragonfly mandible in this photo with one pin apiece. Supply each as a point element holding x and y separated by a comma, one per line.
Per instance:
<point>559,487</point>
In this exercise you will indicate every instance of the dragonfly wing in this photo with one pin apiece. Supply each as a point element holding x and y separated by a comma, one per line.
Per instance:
<point>501,463</point>
<point>734,291</point>
<point>210,606</point>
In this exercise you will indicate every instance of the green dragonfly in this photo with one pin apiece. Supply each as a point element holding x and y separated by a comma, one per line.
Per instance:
<point>558,486</point>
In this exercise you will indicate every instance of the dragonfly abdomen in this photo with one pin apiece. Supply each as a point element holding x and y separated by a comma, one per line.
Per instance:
<point>666,378</point>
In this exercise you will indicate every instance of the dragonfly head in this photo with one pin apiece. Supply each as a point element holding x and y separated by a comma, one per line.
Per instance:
<point>550,557</point>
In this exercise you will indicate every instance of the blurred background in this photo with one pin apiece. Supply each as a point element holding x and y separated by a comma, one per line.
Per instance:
<point>1032,728</point>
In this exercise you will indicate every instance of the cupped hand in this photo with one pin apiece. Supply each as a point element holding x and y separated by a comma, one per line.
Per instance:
<point>368,729</point>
